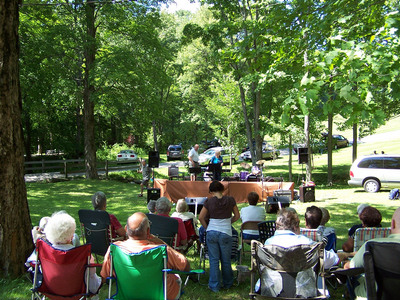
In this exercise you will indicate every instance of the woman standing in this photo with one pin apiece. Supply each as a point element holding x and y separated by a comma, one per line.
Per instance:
<point>217,163</point>
<point>219,209</point>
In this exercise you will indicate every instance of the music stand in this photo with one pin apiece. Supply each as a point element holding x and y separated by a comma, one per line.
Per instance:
<point>195,170</point>
<point>214,168</point>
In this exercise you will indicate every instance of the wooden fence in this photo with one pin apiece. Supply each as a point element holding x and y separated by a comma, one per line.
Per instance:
<point>73,166</point>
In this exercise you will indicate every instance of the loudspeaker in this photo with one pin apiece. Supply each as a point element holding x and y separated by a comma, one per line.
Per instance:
<point>154,159</point>
<point>302,155</point>
<point>307,193</point>
<point>153,194</point>
<point>272,204</point>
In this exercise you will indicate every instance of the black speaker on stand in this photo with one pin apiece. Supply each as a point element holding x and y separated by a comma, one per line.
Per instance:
<point>302,155</point>
<point>154,159</point>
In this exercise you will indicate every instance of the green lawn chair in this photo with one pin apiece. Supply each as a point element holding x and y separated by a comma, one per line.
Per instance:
<point>141,275</point>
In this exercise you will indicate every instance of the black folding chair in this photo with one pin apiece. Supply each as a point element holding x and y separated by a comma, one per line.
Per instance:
<point>382,270</point>
<point>266,229</point>
<point>96,229</point>
<point>165,228</point>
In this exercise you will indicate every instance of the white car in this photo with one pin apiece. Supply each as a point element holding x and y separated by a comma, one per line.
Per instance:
<point>268,152</point>
<point>205,157</point>
<point>376,171</point>
<point>127,155</point>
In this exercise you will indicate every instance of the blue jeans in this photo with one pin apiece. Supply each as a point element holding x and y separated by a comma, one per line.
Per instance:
<point>219,249</point>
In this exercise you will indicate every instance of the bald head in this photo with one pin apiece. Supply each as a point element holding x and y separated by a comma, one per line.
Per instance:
<point>137,226</point>
<point>196,147</point>
<point>396,221</point>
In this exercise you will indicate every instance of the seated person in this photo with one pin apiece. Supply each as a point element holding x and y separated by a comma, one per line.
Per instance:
<point>140,239</point>
<point>151,206</point>
<point>360,288</point>
<point>327,232</point>
<point>163,208</point>
<point>183,213</point>
<point>287,235</point>
<point>60,231</point>
<point>252,213</point>
<point>370,217</point>
<point>313,217</point>
<point>99,202</point>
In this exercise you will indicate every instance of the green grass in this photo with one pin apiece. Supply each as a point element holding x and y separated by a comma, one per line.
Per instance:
<point>341,200</point>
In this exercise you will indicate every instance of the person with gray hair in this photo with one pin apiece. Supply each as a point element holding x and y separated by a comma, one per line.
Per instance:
<point>163,208</point>
<point>182,212</point>
<point>151,206</point>
<point>60,230</point>
<point>99,202</point>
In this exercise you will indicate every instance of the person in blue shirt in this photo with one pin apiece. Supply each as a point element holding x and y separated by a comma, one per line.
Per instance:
<point>217,163</point>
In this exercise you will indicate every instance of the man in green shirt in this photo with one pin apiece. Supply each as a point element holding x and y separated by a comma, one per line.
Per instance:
<point>360,289</point>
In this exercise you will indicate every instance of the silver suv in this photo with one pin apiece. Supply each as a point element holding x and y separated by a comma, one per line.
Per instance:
<point>174,152</point>
<point>376,171</point>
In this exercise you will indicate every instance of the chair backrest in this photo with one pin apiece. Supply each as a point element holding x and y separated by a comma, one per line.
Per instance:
<point>63,271</point>
<point>282,265</point>
<point>314,234</point>
<point>266,229</point>
<point>173,171</point>
<point>190,230</point>
<point>140,275</point>
<point>367,233</point>
<point>249,225</point>
<point>382,267</point>
<point>165,228</point>
<point>96,229</point>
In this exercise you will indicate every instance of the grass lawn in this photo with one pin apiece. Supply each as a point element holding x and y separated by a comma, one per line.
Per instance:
<point>341,200</point>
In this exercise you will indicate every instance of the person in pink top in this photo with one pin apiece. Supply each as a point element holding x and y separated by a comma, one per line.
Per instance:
<point>99,202</point>
<point>163,208</point>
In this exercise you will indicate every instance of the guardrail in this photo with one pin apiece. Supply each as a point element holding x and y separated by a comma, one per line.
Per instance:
<point>70,166</point>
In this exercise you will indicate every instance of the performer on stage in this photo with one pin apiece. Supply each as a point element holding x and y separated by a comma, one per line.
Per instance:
<point>217,162</point>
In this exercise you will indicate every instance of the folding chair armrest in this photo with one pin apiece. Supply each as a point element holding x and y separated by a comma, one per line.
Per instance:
<point>191,272</point>
<point>94,265</point>
<point>349,272</point>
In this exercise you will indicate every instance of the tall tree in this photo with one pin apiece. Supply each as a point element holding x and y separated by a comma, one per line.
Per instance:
<point>15,239</point>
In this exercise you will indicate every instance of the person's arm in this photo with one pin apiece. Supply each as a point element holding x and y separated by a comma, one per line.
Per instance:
<point>236,214</point>
<point>348,246</point>
<point>202,217</point>
<point>121,232</point>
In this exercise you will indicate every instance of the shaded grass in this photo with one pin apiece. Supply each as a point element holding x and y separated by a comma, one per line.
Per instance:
<point>340,199</point>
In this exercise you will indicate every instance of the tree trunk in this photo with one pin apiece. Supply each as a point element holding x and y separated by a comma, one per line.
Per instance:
<point>15,222</point>
<point>355,139</point>
<point>307,137</point>
<point>249,134</point>
<point>330,128</point>
<point>90,54</point>
<point>290,157</point>
<point>155,135</point>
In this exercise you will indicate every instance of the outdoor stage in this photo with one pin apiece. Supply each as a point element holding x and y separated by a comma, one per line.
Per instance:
<point>175,190</point>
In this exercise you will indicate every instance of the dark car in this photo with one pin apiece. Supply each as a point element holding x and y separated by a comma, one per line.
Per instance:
<point>338,141</point>
<point>174,152</point>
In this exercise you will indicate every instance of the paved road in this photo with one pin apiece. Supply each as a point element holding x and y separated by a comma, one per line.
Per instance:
<point>58,175</point>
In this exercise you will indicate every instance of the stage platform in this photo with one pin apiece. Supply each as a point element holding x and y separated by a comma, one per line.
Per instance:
<point>175,190</point>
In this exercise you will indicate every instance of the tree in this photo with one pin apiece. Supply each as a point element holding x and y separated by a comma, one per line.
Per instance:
<point>15,239</point>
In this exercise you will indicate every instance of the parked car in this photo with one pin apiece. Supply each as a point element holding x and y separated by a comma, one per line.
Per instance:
<point>205,157</point>
<point>127,155</point>
<point>268,152</point>
<point>376,171</point>
<point>174,152</point>
<point>338,141</point>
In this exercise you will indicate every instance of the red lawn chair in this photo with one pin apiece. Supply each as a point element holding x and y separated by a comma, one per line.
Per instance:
<point>63,272</point>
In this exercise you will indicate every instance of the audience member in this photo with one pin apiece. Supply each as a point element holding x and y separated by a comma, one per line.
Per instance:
<point>370,217</point>
<point>252,212</point>
<point>219,210</point>
<point>287,235</point>
<point>146,173</point>
<point>327,232</point>
<point>151,206</point>
<point>60,231</point>
<point>182,212</point>
<point>139,239</point>
<point>99,202</point>
<point>163,208</point>
<point>313,217</point>
<point>360,289</point>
